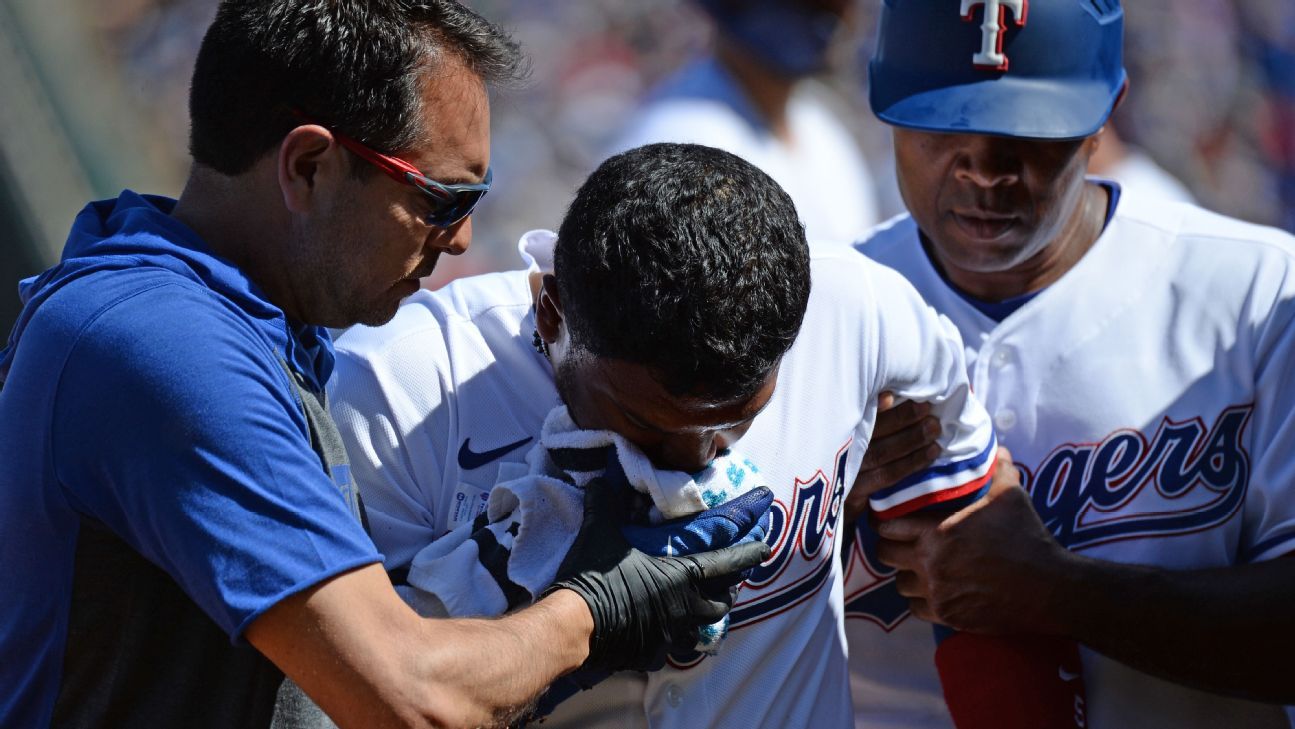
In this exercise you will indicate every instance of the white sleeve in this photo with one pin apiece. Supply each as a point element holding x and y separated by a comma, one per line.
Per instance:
<point>394,419</point>
<point>1268,526</point>
<point>921,357</point>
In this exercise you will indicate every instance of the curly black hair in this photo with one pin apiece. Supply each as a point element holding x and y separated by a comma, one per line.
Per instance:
<point>353,65</point>
<point>687,260</point>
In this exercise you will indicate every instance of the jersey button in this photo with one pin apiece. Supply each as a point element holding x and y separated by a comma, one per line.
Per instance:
<point>1005,420</point>
<point>674,695</point>
<point>1000,358</point>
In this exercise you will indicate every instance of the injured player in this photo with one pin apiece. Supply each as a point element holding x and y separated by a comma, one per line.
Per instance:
<point>669,330</point>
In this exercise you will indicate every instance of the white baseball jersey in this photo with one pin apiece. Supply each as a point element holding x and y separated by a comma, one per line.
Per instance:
<point>822,169</point>
<point>1146,397</point>
<point>440,404</point>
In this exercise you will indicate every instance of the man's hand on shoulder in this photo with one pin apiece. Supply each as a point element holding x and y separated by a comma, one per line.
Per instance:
<point>904,441</point>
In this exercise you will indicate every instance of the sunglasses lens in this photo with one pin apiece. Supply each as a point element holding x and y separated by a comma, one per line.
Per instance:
<point>449,205</point>
<point>456,209</point>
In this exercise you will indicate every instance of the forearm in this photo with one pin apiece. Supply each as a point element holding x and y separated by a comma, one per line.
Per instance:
<point>489,672</point>
<point>369,661</point>
<point>1229,630</point>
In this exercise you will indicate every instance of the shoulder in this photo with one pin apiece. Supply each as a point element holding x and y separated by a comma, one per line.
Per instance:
<point>869,263</point>
<point>1187,224</point>
<point>151,318</point>
<point>449,334</point>
<point>145,345</point>
<point>93,295</point>
<point>830,261</point>
<point>1204,248</point>
<point>464,304</point>
<point>842,274</point>
<point>174,363</point>
<point>891,242</point>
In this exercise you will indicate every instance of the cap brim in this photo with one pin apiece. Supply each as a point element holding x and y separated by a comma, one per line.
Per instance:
<point>1005,106</point>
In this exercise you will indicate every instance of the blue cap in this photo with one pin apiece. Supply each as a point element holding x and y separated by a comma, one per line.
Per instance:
<point>790,36</point>
<point>1039,69</point>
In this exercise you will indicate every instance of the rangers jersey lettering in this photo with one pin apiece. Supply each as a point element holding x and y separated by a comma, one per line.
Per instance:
<point>1184,478</point>
<point>458,364</point>
<point>1145,400</point>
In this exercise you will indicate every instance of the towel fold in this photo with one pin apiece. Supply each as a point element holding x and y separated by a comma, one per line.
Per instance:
<point>512,551</point>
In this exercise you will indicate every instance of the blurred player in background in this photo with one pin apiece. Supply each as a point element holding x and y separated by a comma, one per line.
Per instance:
<point>1134,355</point>
<point>754,96</point>
<point>1133,168</point>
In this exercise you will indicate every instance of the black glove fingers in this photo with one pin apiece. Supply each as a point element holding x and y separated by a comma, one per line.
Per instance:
<point>719,592</point>
<point>707,611</point>
<point>732,579</point>
<point>729,561</point>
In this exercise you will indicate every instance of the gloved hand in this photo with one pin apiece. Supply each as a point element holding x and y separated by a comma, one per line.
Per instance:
<point>744,519</point>
<point>644,606</point>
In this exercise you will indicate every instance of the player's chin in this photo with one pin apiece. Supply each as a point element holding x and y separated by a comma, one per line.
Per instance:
<point>1001,242</point>
<point>982,257</point>
<point>384,309</point>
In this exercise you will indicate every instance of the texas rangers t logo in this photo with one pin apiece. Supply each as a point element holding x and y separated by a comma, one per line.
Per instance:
<point>991,56</point>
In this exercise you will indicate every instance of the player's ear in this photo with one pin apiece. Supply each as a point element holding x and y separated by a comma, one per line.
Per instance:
<point>1094,141</point>
<point>306,153</point>
<point>1124,91</point>
<point>548,309</point>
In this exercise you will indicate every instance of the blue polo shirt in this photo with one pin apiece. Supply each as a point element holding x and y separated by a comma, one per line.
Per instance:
<point>160,490</point>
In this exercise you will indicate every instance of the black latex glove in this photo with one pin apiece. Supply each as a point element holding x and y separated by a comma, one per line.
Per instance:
<point>644,606</point>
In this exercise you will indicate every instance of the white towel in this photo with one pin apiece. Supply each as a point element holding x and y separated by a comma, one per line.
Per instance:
<point>510,553</point>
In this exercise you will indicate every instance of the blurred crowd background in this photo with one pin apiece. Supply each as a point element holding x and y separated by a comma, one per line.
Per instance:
<point>93,100</point>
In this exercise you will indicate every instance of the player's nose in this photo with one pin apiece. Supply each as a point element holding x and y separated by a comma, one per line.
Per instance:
<point>987,161</point>
<point>689,453</point>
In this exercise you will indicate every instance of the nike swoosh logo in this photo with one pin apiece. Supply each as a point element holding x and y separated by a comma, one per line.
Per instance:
<point>470,459</point>
<point>1066,675</point>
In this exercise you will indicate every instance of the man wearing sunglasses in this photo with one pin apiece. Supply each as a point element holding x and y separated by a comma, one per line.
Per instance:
<point>171,477</point>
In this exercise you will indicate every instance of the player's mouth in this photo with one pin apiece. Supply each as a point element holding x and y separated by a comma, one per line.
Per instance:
<point>415,281</point>
<point>407,286</point>
<point>983,225</point>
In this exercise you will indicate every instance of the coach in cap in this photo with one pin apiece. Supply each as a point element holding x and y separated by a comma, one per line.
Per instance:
<point>1135,355</point>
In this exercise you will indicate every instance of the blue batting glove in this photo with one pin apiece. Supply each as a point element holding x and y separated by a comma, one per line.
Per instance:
<point>744,519</point>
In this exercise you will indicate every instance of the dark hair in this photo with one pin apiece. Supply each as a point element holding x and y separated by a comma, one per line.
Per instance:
<point>687,260</point>
<point>353,65</point>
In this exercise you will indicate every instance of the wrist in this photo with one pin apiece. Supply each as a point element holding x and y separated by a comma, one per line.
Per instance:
<point>1072,583</point>
<point>566,610</point>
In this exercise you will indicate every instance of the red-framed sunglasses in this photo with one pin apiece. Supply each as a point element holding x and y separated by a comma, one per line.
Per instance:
<point>450,203</point>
